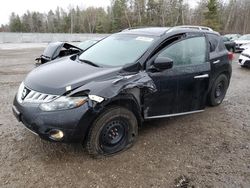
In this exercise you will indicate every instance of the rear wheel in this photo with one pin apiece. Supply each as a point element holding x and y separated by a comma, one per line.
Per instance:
<point>113,131</point>
<point>218,90</point>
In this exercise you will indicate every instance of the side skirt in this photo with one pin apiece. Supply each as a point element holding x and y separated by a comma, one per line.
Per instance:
<point>172,115</point>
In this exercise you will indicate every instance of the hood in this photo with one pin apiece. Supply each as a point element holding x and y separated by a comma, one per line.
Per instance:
<point>246,52</point>
<point>54,77</point>
<point>246,45</point>
<point>242,41</point>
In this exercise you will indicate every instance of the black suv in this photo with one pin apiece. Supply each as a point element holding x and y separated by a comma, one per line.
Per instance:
<point>100,97</point>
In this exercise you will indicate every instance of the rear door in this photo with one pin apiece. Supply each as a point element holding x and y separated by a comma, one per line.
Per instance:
<point>183,88</point>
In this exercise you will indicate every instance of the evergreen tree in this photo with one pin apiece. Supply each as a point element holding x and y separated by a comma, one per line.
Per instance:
<point>212,16</point>
<point>15,23</point>
<point>120,15</point>
<point>153,12</point>
<point>231,16</point>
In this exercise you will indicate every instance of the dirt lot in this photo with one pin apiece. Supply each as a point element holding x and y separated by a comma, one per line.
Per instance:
<point>212,149</point>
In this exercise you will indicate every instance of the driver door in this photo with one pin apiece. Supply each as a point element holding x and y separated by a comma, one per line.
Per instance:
<point>182,88</point>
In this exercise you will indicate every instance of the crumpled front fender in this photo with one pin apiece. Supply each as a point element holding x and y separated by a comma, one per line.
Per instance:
<point>105,91</point>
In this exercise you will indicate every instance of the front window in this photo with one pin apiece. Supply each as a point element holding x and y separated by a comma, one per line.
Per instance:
<point>118,50</point>
<point>191,51</point>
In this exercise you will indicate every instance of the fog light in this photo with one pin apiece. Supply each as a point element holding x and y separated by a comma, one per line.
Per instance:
<point>56,134</point>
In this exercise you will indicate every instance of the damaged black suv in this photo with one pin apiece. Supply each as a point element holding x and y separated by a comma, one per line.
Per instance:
<point>99,97</point>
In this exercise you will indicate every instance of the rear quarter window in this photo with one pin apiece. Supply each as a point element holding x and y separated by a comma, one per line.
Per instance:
<point>216,43</point>
<point>213,42</point>
<point>221,46</point>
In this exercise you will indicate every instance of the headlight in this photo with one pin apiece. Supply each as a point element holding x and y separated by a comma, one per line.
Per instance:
<point>19,92</point>
<point>63,103</point>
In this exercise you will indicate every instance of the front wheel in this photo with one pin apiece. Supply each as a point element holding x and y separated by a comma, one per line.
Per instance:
<point>113,131</point>
<point>218,90</point>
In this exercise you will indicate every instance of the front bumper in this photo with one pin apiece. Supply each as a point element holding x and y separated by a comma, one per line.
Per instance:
<point>72,122</point>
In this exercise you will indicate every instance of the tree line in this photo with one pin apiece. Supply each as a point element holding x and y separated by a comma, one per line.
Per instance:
<point>226,17</point>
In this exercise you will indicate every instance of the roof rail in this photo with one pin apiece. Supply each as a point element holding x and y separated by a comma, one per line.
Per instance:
<point>195,27</point>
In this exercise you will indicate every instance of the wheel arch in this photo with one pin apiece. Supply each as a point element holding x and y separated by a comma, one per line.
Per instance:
<point>227,73</point>
<point>130,102</point>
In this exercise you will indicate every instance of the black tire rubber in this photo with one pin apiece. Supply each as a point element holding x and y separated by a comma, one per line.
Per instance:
<point>212,99</point>
<point>93,145</point>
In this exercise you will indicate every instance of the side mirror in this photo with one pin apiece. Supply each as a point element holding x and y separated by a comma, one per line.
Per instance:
<point>162,63</point>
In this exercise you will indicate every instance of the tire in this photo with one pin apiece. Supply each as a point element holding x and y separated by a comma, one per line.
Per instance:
<point>218,90</point>
<point>115,130</point>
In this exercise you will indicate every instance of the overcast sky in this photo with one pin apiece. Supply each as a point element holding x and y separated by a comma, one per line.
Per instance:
<point>21,6</point>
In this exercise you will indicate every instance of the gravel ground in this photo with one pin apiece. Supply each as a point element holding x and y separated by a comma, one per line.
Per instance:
<point>209,149</point>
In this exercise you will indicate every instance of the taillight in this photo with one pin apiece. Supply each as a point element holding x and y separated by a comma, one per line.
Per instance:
<point>230,56</point>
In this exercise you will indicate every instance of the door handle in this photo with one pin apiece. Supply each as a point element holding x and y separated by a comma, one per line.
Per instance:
<point>217,61</point>
<point>201,76</point>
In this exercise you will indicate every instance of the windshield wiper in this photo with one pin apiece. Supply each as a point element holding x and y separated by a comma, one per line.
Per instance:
<point>89,62</point>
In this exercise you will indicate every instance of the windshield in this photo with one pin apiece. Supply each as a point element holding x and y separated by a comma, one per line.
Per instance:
<point>117,50</point>
<point>245,37</point>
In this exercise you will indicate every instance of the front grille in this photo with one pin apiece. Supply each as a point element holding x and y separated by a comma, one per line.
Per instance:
<point>37,97</point>
<point>30,96</point>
